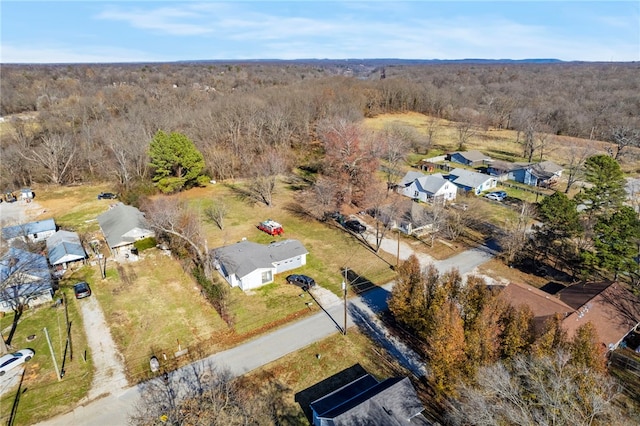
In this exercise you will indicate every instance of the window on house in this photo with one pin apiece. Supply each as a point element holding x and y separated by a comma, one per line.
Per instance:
<point>35,235</point>
<point>415,194</point>
<point>267,277</point>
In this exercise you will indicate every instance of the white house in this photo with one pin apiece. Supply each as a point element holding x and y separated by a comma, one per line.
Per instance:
<point>251,265</point>
<point>122,226</point>
<point>427,188</point>
<point>468,180</point>
<point>32,231</point>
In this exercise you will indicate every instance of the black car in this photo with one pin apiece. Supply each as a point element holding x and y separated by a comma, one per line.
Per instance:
<point>82,290</point>
<point>355,226</point>
<point>107,196</point>
<point>301,281</point>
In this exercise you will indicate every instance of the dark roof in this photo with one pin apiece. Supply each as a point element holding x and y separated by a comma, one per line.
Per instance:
<point>365,401</point>
<point>28,229</point>
<point>245,257</point>
<point>542,304</point>
<point>578,294</point>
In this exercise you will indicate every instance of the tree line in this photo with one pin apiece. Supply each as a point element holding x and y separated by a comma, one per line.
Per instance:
<point>95,122</point>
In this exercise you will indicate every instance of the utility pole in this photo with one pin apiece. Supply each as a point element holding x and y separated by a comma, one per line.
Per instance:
<point>344,288</point>
<point>53,356</point>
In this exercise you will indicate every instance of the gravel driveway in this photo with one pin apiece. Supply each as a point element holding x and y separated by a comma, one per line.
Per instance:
<point>109,376</point>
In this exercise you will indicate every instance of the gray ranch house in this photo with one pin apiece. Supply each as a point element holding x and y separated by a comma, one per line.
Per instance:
<point>250,265</point>
<point>33,231</point>
<point>427,188</point>
<point>122,226</point>
<point>24,279</point>
<point>470,181</point>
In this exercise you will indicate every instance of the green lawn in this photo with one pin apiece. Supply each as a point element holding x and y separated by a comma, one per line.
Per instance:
<point>43,395</point>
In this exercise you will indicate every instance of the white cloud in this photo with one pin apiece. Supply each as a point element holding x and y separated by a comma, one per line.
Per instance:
<point>16,54</point>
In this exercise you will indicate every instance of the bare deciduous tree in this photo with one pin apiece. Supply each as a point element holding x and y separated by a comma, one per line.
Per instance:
<point>217,212</point>
<point>624,137</point>
<point>576,156</point>
<point>56,153</point>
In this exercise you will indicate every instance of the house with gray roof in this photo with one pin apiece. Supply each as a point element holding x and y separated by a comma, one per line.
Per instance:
<point>122,226</point>
<point>24,279</point>
<point>427,188</point>
<point>471,158</point>
<point>544,173</point>
<point>63,248</point>
<point>475,182</point>
<point>33,231</point>
<point>250,265</point>
<point>366,401</point>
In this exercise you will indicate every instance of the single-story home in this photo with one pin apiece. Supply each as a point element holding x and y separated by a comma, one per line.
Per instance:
<point>32,231</point>
<point>122,226</point>
<point>407,216</point>
<point>542,304</point>
<point>427,188</point>
<point>614,311</point>
<point>63,248</point>
<point>250,265</point>
<point>471,158</point>
<point>544,173</point>
<point>475,182</point>
<point>366,401</point>
<point>24,279</point>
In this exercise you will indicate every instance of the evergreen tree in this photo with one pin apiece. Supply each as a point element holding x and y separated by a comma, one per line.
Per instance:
<point>176,161</point>
<point>607,191</point>
<point>616,240</point>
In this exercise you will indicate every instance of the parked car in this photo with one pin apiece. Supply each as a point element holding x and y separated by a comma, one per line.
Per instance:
<point>12,360</point>
<point>82,290</point>
<point>496,196</point>
<point>107,196</point>
<point>301,281</point>
<point>355,226</point>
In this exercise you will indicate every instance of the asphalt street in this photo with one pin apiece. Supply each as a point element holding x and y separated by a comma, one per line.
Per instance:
<point>115,408</point>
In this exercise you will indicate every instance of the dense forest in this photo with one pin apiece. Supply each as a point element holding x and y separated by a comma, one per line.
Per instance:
<point>75,123</point>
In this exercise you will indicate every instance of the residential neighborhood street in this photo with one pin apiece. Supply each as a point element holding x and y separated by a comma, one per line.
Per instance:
<point>115,407</point>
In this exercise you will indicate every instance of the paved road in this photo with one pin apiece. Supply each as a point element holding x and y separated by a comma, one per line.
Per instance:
<point>114,409</point>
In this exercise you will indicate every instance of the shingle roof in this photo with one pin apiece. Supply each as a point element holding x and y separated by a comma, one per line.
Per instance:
<point>473,155</point>
<point>542,304</point>
<point>545,169</point>
<point>64,246</point>
<point>28,229</point>
<point>118,221</point>
<point>613,312</point>
<point>431,184</point>
<point>245,257</point>
<point>391,402</point>
<point>410,177</point>
<point>468,178</point>
<point>25,274</point>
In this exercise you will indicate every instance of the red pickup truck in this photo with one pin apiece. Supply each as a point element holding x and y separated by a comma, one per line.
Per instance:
<point>271,227</point>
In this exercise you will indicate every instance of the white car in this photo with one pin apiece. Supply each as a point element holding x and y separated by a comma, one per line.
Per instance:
<point>12,360</point>
<point>493,196</point>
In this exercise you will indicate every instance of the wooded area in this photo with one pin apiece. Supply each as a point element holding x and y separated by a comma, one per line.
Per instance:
<point>77,123</point>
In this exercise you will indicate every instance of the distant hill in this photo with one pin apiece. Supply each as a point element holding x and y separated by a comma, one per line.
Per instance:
<point>381,61</point>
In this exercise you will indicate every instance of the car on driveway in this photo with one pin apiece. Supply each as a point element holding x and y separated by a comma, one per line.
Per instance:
<point>302,281</point>
<point>12,360</point>
<point>355,226</point>
<point>82,290</point>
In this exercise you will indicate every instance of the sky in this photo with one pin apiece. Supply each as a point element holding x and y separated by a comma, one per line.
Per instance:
<point>166,31</point>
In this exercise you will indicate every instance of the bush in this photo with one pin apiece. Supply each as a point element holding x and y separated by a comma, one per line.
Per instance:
<point>145,243</point>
